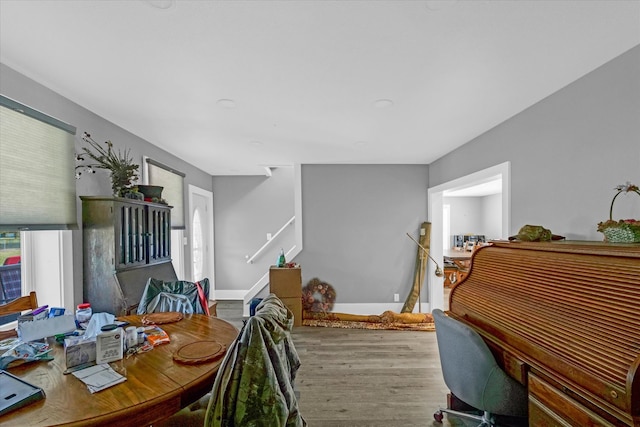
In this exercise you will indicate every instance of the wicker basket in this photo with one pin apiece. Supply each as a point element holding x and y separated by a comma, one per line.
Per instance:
<point>623,231</point>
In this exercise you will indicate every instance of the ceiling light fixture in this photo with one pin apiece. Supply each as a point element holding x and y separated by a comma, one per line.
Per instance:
<point>161,4</point>
<point>437,5</point>
<point>226,103</point>
<point>382,103</point>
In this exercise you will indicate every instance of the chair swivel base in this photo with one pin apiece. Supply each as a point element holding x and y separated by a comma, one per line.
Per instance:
<point>486,419</point>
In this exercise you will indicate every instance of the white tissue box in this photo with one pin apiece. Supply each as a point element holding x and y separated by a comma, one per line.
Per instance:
<point>78,351</point>
<point>37,329</point>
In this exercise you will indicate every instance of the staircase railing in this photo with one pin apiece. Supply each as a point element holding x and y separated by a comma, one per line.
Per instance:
<point>263,247</point>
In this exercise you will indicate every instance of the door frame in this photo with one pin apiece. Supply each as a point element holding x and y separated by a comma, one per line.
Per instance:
<point>434,215</point>
<point>210,239</point>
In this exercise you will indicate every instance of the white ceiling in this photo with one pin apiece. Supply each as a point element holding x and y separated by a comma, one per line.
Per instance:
<point>304,75</point>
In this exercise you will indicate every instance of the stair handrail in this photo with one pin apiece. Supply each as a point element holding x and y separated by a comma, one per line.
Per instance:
<point>263,247</point>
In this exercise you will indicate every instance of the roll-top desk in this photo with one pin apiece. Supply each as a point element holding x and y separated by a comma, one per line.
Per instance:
<point>563,318</point>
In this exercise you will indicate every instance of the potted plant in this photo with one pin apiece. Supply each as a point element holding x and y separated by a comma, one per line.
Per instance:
<point>624,230</point>
<point>124,172</point>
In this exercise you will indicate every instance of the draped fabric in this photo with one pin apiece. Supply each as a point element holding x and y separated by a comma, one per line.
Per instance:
<point>254,386</point>
<point>166,301</point>
<point>179,295</point>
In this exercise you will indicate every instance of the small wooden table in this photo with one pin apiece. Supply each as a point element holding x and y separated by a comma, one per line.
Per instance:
<point>156,386</point>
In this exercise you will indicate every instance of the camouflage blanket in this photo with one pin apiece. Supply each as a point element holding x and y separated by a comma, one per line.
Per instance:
<point>254,386</point>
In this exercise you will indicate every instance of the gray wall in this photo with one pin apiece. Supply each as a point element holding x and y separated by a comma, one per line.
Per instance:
<point>246,208</point>
<point>567,152</point>
<point>17,86</point>
<point>492,216</point>
<point>355,222</point>
<point>476,215</point>
<point>466,214</point>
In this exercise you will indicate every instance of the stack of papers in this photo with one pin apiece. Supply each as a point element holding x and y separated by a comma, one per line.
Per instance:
<point>99,377</point>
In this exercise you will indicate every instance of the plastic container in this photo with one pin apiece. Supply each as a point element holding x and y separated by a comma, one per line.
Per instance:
<point>140,332</point>
<point>109,344</point>
<point>83,315</point>
<point>131,337</point>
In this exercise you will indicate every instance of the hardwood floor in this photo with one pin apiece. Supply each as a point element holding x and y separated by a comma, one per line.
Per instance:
<point>357,378</point>
<point>353,377</point>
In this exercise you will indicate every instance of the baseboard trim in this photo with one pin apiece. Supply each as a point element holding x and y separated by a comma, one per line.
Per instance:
<point>349,308</point>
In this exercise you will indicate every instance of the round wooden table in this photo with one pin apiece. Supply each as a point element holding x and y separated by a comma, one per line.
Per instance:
<point>156,386</point>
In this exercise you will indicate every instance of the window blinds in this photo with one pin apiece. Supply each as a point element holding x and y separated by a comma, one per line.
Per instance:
<point>37,170</point>
<point>173,192</point>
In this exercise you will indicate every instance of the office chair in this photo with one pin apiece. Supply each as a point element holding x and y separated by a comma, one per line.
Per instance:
<point>471,373</point>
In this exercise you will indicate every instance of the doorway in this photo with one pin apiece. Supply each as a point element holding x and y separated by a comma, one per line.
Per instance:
<point>436,197</point>
<point>201,220</point>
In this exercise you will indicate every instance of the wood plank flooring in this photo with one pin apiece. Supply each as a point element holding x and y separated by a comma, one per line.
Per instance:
<point>353,377</point>
<point>357,378</point>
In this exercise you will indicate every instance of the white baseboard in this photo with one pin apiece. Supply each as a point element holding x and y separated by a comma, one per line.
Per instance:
<point>349,308</point>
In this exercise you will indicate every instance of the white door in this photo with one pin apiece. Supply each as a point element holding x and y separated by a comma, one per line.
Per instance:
<point>201,217</point>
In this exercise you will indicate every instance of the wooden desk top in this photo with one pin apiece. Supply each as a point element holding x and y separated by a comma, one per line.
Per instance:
<point>155,388</point>
<point>453,254</point>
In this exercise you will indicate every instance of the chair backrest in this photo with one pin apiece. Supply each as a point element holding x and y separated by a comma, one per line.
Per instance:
<point>10,282</point>
<point>177,295</point>
<point>255,382</point>
<point>28,302</point>
<point>133,281</point>
<point>18,305</point>
<point>471,372</point>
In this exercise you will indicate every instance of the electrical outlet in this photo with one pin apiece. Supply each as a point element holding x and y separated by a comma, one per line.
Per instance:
<point>268,236</point>
<point>396,297</point>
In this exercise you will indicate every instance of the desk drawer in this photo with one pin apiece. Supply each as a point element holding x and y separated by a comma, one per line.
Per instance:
<point>549,407</point>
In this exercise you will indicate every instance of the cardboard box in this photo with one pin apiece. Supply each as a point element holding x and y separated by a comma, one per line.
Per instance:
<point>285,282</point>
<point>295,305</point>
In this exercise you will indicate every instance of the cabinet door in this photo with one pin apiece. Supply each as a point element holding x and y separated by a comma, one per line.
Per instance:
<point>130,230</point>
<point>159,234</point>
